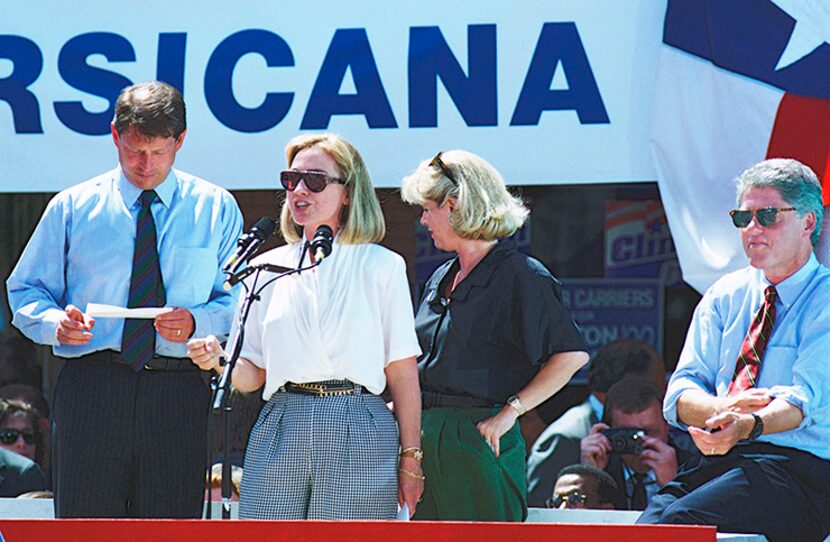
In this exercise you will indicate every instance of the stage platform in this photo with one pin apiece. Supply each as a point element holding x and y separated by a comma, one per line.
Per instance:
<point>77,530</point>
<point>25,520</point>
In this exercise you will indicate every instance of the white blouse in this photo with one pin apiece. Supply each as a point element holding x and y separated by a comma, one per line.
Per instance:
<point>346,319</point>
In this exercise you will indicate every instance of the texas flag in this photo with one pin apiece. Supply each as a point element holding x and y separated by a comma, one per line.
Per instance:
<point>739,81</point>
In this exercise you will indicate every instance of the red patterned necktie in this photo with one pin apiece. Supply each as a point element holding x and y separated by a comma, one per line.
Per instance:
<point>752,349</point>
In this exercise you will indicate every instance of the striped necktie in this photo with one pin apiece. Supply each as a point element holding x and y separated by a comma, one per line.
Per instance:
<point>138,343</point>
<point>752,349</point>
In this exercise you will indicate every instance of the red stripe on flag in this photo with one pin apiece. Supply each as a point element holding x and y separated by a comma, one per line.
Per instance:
<point>802,131</point>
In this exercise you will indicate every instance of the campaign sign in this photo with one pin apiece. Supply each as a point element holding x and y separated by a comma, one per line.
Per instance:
<point>608,309</point>
<point>638,242</point>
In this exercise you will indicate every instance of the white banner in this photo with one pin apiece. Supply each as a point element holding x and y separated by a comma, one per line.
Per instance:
<point>549,91</point>
<point>739,82</point>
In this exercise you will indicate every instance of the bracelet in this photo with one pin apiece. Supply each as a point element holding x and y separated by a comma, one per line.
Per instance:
<point>411,474</point>
<point>414,452</point>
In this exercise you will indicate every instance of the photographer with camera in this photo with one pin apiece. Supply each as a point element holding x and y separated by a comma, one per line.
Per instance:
<point>558,445</point>
<point>632,442</point>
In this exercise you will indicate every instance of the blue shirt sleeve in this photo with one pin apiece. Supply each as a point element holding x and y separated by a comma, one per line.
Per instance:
<point>36,287</point>
<point>810,387</point>
<point>214,316</point>
<point>698,364</point>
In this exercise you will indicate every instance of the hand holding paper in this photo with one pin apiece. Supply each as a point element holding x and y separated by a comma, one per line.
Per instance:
<point>74,327</point>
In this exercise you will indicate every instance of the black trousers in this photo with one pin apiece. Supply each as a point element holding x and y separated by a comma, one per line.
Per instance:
<point>782,493</point>
<point>129,444</point>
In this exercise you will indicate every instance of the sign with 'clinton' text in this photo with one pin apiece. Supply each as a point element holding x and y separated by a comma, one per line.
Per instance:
<point>548,91</point>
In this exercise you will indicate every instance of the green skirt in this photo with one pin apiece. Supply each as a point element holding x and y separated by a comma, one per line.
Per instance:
<point>464,478</point>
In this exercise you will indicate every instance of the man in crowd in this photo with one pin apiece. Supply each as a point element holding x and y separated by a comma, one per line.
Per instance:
<point>584,487</point>
<point>130,408</point>
<point>753,380</point>
<point>558,445</point>
<point>642,462</point>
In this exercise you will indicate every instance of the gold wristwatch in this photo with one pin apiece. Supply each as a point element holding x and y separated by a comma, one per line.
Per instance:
<point>513,401</point>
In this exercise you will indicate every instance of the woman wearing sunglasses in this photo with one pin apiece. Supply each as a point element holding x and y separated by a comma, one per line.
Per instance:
<point>496,341</point>
<point>325,343</point>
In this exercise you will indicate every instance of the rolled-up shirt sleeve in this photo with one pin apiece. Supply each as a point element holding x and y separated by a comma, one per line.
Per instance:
<point>214,316</point>
<point>541,327</point>
<point>698,364</point>
<point>37,284</point>
<point>810,389</point>
<point>397,319</point>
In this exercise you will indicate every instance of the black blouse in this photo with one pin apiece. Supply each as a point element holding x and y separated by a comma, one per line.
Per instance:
<point>489,339</point>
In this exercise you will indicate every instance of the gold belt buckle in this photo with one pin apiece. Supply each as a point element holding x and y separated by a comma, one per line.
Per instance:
<point>321,390</point>
<point>316,388</point>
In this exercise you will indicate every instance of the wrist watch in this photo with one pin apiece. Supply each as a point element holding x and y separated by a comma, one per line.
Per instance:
<point>513,401</point>
<point>757,429</point>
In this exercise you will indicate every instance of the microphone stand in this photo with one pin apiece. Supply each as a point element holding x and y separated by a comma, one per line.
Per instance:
<point>222,386</point>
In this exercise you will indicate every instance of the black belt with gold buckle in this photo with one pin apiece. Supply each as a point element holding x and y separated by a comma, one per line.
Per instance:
<point>330,388</point>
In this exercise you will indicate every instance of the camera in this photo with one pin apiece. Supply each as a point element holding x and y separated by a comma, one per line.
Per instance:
<point>625,441</point>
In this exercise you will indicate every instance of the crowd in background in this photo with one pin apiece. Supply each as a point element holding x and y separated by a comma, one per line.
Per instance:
<point>25,459</point>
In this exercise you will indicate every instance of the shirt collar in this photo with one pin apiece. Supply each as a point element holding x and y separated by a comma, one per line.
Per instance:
<point>790,288</point>
<point>481,273</point>
<point>596,406</point>
<point>131,192</point>
<point>649,478</point>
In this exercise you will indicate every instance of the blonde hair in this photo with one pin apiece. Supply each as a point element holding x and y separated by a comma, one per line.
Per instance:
<point>361,220</point>
<point>484,209</point>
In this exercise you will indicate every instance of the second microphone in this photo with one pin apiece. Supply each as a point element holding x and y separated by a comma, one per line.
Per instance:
<point>321,243</point>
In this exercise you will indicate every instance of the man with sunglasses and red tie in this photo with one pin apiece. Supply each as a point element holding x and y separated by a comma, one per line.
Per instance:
<point>753,381</point>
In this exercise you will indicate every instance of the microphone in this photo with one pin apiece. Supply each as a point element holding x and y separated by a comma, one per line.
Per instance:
<point>249,243</point>
<point>321,243</point>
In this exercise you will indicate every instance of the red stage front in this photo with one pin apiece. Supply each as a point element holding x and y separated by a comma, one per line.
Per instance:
<point>69,530</point>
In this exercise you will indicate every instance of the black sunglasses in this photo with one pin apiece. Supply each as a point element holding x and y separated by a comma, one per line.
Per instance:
<point>572,499</point>
<point>315,181</point>
<point>765,217</point>
<point>437,162</point>
<point>10,436</point>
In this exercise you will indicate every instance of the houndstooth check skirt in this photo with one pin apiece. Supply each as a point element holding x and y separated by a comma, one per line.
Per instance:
<point>321,458</point>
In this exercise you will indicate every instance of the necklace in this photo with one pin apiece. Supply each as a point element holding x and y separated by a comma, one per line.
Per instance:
<point>458,278</point>
<point>474,259</point>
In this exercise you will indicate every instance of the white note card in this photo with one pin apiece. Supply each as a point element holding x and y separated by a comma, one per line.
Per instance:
<point>99,310</point>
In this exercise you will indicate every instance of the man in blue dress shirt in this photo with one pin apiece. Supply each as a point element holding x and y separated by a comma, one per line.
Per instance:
<point>766,443</point>
<point>129,430</point>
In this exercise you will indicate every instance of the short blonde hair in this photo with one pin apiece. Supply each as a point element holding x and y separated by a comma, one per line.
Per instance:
<point>484,209</point>
<point>361,220</point>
